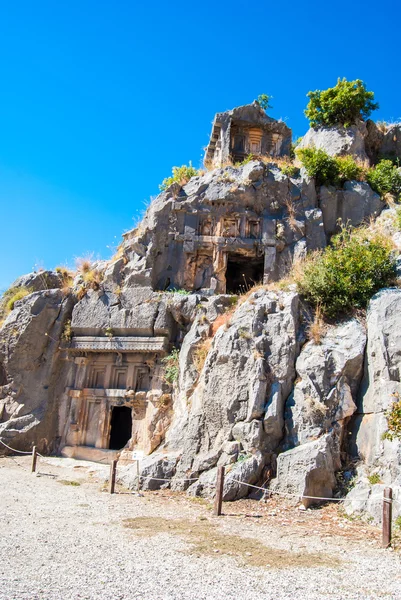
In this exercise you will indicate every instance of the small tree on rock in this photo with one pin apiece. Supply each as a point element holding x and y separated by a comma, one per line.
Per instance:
<point>264,101</point>
<point>344,104</point>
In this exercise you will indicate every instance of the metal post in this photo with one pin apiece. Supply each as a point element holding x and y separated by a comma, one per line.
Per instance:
<point>113,471</point>
<point>219,491</point>
<point>387,515</point>
<point>34,459</point>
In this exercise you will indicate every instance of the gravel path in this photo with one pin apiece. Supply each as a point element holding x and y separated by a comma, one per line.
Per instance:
<point>63,541</point>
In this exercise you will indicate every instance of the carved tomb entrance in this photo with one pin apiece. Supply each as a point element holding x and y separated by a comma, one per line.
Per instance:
<point>115,395</point>
<point>243,272</point>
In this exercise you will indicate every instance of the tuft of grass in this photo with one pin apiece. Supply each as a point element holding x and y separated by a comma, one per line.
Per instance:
<point>374,478</point>
<point>171,366</point>
<point>12,295</point>
<point>316,329</point>
<point>66,335</point>
<point>69,482</point>
<point>201,352</point>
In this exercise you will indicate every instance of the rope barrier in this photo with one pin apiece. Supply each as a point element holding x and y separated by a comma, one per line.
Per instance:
<point>163,479</point>
<point>14,450</point>
<point>286,493</point>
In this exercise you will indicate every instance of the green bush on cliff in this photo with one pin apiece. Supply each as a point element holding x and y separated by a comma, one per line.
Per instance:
<point>348,272</point>
<point>319,165</point>
<point>329,170</point>
<point>344,104</point>
<point>385,178</point>
<point>181,175</point>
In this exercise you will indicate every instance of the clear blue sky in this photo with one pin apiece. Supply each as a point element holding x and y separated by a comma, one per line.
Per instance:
<point>100,99</point>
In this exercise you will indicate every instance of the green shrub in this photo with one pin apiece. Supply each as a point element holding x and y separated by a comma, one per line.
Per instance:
<point>348,272</point>
<point>348,169</point>
<point>385,178</point>
<point>290,170</point>
<point>319,165</point>
<point>393,416</point>
<point>264,101</point>
<point>181,175</point>
<point>329,170</point>
<point>343,104</point>
<point>171,363</point>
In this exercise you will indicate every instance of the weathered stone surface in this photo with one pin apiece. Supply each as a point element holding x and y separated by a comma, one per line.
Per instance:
<point>309,470</point>
<point>39,280</point>
<point>337,141</point>
<point>353,205</point>
<point>154,470</point>
<point>367,498</point>
<point>328,378</point>
<point>247,376</point>
<point>32,374</point>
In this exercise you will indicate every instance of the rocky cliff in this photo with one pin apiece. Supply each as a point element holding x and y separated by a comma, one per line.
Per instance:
<point>191,336</point>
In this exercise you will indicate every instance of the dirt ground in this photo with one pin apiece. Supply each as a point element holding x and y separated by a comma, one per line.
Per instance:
<point>64,536</point>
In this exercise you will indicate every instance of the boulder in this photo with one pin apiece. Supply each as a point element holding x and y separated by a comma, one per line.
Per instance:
<point>337,141</point>
<point>153,470</point>
<point>32,376</point>
<point>307,472</point>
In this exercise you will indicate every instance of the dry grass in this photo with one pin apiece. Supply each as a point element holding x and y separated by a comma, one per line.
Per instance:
<point>207,539</point>
<point>317,328</point>
<point>201,352</point>
<point>315,408</point>
<point>83,264</point>
<point>224,319</point>
<point>292,221</point>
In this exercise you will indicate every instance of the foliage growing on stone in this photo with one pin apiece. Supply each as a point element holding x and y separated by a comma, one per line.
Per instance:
<point>181,175</point>
<point>374,478</point>
<point>264,101</point>
<point>344,104</point>
<point>348,272</point>
<point>385,178</point>
<point>329,170</point>
<point>393,416</point>
<point>12,295</point>
<point>66,334</point>
<point>171,366</point>
<point>349,169</point>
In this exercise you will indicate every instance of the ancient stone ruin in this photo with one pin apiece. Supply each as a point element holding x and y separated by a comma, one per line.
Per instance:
<point>168,350</point>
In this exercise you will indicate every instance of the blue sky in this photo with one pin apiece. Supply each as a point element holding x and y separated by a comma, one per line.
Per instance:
<point>100,99</point>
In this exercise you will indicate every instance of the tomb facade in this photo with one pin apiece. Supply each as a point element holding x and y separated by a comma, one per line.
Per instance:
<point>243,131</point>
<point>117,399</point>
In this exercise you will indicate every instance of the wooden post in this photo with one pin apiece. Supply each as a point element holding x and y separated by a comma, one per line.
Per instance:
<point>219,491</point>
<point>138,481</point>
<point>113,471</point>
<point>387,515</point>
<point>34,459</point>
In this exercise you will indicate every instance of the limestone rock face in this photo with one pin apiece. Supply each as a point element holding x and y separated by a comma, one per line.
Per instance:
<point>352,204</point>
<point>328,379</point>
<point>380,386</point>
<point>30,369</point>
<point>39,280</point>
<point>243,385</point>
<point>309,469</point>
<point>337,141</point>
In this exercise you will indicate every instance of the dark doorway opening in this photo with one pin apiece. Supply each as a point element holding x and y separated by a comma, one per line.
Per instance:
<point>243,272</point>
<point>121,427</point>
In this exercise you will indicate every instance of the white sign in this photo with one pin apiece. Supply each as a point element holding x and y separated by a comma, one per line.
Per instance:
<point>137,455</point>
